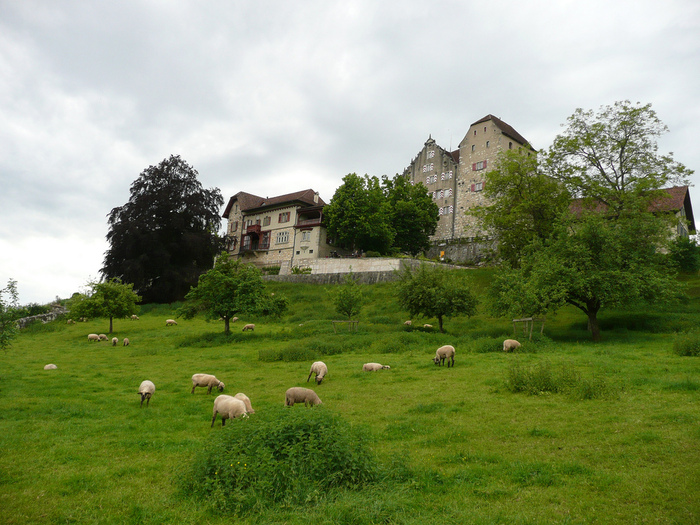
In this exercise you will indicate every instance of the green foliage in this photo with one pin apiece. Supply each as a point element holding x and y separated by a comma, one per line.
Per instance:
<point>165,236</point>
<point>282,456</point>
<point>431,291</point>
<point>348,297</point>
<point>301,270</point>
<point>687,344</point>
<point>271,270</point>
<point>685,254</point>
<point>109,299</point>
<point>9,313</point>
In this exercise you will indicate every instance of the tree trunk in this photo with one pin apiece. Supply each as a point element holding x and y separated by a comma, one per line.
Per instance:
<point>110,324</point>
<point>227,329</point>
<point>440,323</point>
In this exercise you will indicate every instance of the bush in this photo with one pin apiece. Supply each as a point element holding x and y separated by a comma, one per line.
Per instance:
<point>687,344</point>
<point>271,270</point>
<point>542,378</point>
<point>283,456</point>
<point>300,270</point>
<point>685,254</point>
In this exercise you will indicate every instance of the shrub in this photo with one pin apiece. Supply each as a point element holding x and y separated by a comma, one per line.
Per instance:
<point>301,270</point>
<point>685,254</point>
<point>542,378</point>
<point>687,344</point>
<point>282,456</point>
<point>271,270</point>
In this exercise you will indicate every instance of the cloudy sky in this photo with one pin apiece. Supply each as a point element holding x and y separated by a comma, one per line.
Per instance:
<point>274,96</point>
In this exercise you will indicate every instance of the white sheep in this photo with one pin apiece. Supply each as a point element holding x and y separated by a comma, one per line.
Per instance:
<point>246,400</point>
<point>408,323</point>
<point>170,322</point>
<point>297,394</point>
<point>114,341</point>
<point>134,317</point>
<point>510,344</point>
<point>250,327</point>
<point>93,337</point>
<point>229,407</point>
<point>426,325</point>
<point>147,389</point>
<point>70,321</point>
<point>102,337</point>
<point>371,367</point>
<point>320,369</point>
<point>234,319</point>
<point>208,381</point>
<point>445,352</point>
<point>50,367</point>
<point>126,341</point>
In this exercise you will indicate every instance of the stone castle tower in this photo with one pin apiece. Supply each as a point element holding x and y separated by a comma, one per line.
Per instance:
<point>456,180</point>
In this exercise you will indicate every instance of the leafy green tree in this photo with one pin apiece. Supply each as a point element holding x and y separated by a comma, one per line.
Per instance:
<point>685,254</point>
<point>9,313</point>
<point>356,216</point>
<point>166,235</point>
<point>348,297</point>
<point>432,291</point>
<point>412,214</point>
<point>229,289</point>
<point>523,204</point>
<point>110,299</point>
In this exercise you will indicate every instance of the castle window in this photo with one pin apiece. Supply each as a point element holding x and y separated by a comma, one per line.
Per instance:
<point>306,236</point>
<point>266,221</point>
<point>473,147</point>
<point>479,165</point>
<point>234,226</point>
<point>510,145</point>
<point>284,217</point>
<point>474,132</point>
<point>487,143</point>
<point>282,237</point>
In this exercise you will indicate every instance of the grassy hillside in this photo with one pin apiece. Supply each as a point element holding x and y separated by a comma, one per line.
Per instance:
<point>565,431</point>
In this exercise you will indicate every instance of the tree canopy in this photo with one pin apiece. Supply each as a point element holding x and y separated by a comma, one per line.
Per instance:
<point>229,289</point>
<point>432,291</point>
<point>165,236</point>
<point>110,299</point>
<point>9,313</point>
<point>348,297</point>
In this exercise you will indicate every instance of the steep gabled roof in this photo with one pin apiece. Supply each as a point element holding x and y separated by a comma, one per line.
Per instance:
<point>506,129</point>
<point>248,202</point>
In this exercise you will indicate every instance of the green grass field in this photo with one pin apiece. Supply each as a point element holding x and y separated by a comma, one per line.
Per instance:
<point>619,442</point>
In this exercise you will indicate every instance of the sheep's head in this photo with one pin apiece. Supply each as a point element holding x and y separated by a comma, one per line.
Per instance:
<point>319,379</point>
<point>220,386</point>
<point>436,360</point>
<point>385,367</point>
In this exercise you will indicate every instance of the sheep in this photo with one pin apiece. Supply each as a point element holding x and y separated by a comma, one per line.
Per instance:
<point>246,400</point>
<point>208,381</point>
<point>93,337</point>
<point>134,317</point>
<point>320,369</point>
<point>147,389</point>
<point>298,394</point>
<point>102,337</point>
<point>250,327</point>
<point>408,323</point>
<point>445,352</point>
<point>114,341</point>
<point>510,344</point>
<point>229,407</point>
<point>170,322</point>
<point>371,367</point>
<point>426,325</point>
<point>126,341</point>
<point>70,321</point>
<point>234,319</point>
<point>50,367</point>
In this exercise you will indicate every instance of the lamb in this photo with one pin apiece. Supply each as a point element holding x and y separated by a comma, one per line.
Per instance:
<point>208,381</point>
<point>147,389</point>
<point>114,341</point>
<point>229,407</point>
<point>246,400</point>
<point>50,367</point>
<point>93,337</point>
<point>510,344</point>
<point>170,322</point>
<point>126,341</point>
<point>445,352</point>
<point>102,337</point>
<point>250,327</point>
<point>371,367</point>
<point>320,369</point>
<point>298,394</point>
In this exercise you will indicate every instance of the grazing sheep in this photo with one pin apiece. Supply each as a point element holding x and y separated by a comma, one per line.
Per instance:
<point>320,369</point>
<point>408,323</point>
<point>93,337</point>
<point>208,381</point>
<point>234,319</point>
<point>83,319</point>
<point>102,337</point>
<point>114,341</point>
<point>126,341</point>
<point>170,322</point>
<point>229,407</point>
<point>147,389</point>
<point>50,367</point>
<point>445,352</point>
<point>250,327</point>
<point>70,321</point>
<point>427,325</point>
<point>134,317</point>
<point>510,344</point>
<point>246,400</point>
<point>298,394</point>
<point>371,367</point>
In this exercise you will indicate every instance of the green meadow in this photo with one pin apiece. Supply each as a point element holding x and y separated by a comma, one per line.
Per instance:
<point>564,431</point>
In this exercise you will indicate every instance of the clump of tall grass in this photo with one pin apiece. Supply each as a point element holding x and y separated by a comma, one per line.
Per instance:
<point>281,457</point>
<point>687,344</point>
<point>542,378</point>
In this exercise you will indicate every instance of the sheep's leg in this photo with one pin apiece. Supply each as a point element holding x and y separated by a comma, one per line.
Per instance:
<point>212,420</point>
<point>148,400</point>
<point>307,379</point>
<point>209,390</point>
<point>193,387</point>
<point>141,400</point>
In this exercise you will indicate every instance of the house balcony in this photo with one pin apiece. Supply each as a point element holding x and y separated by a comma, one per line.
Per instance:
<point>255,247</point>
<point>308,223</point>
<point>253,228</point>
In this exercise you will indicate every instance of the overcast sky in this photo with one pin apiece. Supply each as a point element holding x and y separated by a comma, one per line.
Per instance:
<point>272,96</point>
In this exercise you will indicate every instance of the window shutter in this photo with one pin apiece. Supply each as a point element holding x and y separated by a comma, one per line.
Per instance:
<point>483,185</point>
<point>474,167</point>
<point>484,164</point>
<point>473,187</point>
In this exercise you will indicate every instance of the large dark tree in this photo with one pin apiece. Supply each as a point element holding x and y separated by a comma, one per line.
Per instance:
<point>166,235</point>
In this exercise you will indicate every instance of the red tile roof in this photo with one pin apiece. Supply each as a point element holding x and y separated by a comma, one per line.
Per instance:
<point>248,201</point>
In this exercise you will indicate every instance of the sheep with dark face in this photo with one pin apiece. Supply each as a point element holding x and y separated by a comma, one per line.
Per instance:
<point>93,337</point>
<point>206,380</point>
<point>246,400</point>
<point>228,407</point>
<point>297,394</point>
<point>114,341</point>
<point>320,369</point>
<point>509,345</point>
<point>443,353</point>
<point>146,390</point>
<point>371,367</point>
